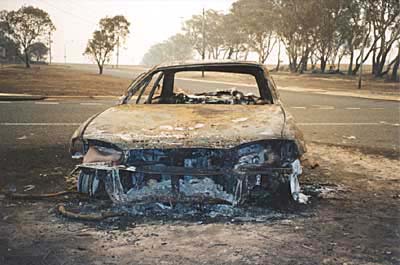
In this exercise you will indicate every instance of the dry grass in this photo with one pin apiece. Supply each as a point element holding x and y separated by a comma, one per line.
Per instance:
<point>59,81</point>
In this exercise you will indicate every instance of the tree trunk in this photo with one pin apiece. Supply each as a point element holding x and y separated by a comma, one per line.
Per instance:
<point>230,53</point>
<point>338,64</point>
<point>350,69</point>
<point>100,69</point>
<point>292,63</point>
<point>395,75</point>
<point>358,64</point>
<point>246,54</point>
<point>323,64</point>
<point>236,55</point>
<point>304,67</point>
<point>312,62</point>
<point>379,69</point>
<point>381,64</point>
<point>27,64</point>
<point>306,63</point>
<point>303,64</point>
<point>278,65</point>
<point>373,61</point>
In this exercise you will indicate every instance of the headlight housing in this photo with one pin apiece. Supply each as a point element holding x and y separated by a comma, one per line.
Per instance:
<point>275,152</point>
<point>77,148</point>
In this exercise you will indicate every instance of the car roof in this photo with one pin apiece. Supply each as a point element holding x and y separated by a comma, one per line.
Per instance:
<point>209,65</point>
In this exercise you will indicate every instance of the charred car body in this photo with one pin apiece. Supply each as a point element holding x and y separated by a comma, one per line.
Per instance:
<point>162,143</point>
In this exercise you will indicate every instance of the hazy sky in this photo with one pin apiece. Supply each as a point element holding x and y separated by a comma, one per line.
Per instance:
<point>152,21</point>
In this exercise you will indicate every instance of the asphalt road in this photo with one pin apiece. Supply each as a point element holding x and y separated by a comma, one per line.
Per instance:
<point>371,125</point>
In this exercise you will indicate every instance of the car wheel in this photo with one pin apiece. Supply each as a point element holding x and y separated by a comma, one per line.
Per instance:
<point>88,182</point>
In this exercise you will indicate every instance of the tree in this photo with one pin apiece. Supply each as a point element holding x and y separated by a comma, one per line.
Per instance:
<point>382,20</point>
<point>11,48</point>
<point>25,26</point>
<point>176,48</point>
<point>3,22</point>
<point>39,50</point>
<point>258,20</point>
<point>205,33</point>
<point>351,31</point>
<point>296,25</point>
<point>100,47</point>
<point>214,33</point>
<point>119,25</point>
<point>235,39</point>
<point>327,38</point>
<point>155,55</point>
<point>395,72</point>
<point>194,29</point>
<point>104,40</point>
<point>384,15</point>
<point>179,48</point>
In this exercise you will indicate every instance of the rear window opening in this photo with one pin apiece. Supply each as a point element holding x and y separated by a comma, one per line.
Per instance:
<point>190,87</point>
<point>214,88</point>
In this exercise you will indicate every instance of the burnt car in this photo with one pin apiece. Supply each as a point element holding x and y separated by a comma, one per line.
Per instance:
<point>168,141</point>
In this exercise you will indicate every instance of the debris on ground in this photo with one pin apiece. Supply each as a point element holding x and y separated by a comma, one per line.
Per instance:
<point>325,190</point>
<point>87,217</point>
<point>101,209</point>
<point>29,187</point>
<point>25,196</point>
<point>351,137</point>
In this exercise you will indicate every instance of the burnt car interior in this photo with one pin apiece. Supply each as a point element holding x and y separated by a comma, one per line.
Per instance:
<point>159,87</point>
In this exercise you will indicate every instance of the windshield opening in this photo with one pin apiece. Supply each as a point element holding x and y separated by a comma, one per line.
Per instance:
<point>189,87</point>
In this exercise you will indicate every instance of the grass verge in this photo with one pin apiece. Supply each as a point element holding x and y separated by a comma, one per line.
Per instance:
<point>59,81</point>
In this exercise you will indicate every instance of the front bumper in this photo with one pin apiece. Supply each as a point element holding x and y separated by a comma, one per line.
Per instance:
<point>165,183</point>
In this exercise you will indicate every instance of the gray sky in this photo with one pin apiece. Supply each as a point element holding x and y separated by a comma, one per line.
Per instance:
<point>152,21</point>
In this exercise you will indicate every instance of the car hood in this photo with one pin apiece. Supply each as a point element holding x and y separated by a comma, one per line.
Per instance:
<point>186,126</point>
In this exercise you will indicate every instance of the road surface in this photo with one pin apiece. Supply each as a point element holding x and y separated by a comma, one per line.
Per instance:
<point>371,125</point>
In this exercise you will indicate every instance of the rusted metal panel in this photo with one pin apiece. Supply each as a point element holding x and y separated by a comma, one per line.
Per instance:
<point>174,126</point>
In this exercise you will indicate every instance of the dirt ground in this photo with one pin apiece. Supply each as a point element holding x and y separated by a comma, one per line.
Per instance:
<point>356,223</point>
<point>59,81</point>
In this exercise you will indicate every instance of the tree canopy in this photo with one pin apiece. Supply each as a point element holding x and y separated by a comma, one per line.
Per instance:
<point>104,40</point>
<point>176,48</point>
<point>25,26</point>
<point>38,50</point>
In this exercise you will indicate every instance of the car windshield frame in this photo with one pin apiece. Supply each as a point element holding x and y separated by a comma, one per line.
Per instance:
<point>140,84</point>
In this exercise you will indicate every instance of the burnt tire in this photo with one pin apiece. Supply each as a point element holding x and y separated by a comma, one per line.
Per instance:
<point>88,182</point>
